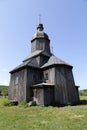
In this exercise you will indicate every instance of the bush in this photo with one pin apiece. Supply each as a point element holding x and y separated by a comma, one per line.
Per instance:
<point>7,102</point>
<point>23,104</point>
<point>5,93</point>
<point>3,90</point>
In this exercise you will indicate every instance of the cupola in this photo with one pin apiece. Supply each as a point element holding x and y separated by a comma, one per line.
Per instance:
<point>40,40</point>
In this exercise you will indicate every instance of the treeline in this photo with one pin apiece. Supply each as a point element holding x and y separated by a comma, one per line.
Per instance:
<point>83,92</point>
<point>3,90</point>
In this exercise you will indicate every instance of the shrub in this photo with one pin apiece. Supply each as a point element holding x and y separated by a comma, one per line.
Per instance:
<point>5,93</point>
<point>7,102</point>
<point>3,90</point>
<point>23,104</point>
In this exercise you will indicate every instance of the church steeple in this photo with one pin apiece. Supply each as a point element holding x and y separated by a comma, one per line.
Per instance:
<point>40,27</point>
<point>40,40</point>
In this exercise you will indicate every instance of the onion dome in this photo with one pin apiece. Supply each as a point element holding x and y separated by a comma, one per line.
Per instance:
<point>40,33</point>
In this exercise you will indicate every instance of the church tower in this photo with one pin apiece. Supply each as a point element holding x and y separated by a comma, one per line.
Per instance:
<point>40,40</point>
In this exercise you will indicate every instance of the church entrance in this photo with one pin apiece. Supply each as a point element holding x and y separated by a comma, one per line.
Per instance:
<point>43,95</point>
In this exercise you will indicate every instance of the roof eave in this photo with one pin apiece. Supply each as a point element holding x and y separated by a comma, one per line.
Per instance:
<point>18,69</point>
<point>54,65</point>
<point>40,54</point>
<point>40,38</point>
<point>23,67</point>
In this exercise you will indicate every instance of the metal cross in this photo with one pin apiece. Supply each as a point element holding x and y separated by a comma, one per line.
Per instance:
<point>39,18</point>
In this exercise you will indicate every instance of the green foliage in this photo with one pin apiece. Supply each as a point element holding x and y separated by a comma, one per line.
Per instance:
<point>7,102</point>
<point>83,92</point>
<point>23,104</point>
<point>3,90</point>
<point>83,96</point>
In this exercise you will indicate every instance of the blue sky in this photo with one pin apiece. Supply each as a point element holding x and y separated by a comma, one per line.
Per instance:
<point>65,21</point>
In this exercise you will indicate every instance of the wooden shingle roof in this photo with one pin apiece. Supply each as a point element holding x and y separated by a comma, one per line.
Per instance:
<point>53,60</point>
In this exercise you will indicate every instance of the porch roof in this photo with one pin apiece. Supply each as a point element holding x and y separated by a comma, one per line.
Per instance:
<point>42,85</point>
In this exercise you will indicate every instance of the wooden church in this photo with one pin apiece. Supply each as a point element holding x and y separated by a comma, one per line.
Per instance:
<point>42,77</point>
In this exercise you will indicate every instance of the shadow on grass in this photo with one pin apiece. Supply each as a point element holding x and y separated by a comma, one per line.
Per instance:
<point>82,102</point>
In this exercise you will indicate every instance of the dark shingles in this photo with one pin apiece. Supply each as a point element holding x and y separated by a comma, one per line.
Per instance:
<point>53,60</point>
<point>29,63</point>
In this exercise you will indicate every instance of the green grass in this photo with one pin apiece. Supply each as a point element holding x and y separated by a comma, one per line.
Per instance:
<point>83,97</point>
<point>42,118</point>
<point>83,94</point>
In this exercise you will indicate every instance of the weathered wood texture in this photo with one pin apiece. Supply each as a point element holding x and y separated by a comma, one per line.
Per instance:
<point>34,76</point>
<point>51,75</point>
<point>42,76</point>
<point>65,90</point>
<point>17,87</point>
<point>40,44</point>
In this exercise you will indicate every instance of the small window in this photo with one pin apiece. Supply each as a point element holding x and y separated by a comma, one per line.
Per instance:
<point>16,80</point>
<point>46,76</point>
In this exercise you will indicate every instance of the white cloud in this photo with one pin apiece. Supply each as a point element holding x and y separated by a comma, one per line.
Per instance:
<point>4,82</point>
<point>4,76</point>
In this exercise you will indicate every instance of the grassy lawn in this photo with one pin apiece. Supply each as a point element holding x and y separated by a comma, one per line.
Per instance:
<point>83,97</point>
<point>43,118</point>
